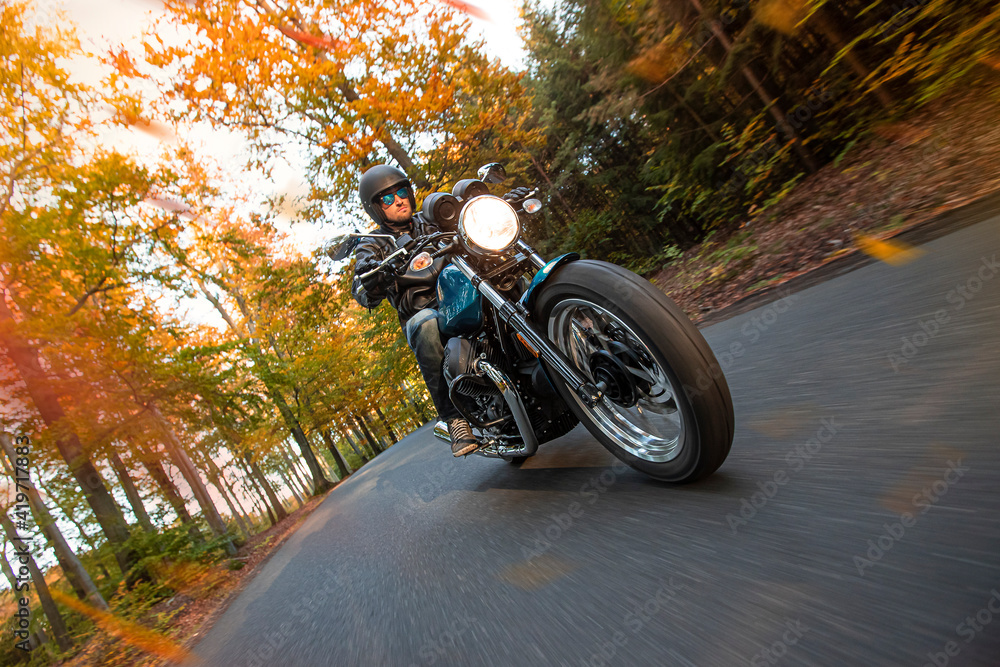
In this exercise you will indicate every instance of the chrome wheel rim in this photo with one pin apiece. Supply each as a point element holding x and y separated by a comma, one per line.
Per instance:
<point>653,428</point>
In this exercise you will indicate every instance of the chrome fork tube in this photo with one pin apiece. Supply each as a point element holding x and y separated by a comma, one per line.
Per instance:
<point>535,258</point>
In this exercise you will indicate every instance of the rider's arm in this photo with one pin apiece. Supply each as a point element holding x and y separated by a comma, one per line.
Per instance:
<point>368,256</point>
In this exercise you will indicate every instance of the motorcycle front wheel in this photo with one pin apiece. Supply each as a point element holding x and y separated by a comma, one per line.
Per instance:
<point>666,410</point>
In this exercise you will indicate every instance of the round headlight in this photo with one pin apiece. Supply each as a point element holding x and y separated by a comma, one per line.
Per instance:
<point>489,224</point>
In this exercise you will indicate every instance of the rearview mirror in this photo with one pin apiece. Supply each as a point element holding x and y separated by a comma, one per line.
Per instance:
<point>342,248</point>
<point>492,173</point>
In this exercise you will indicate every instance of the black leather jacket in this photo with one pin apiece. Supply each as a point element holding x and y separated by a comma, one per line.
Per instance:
<point>370,252</point>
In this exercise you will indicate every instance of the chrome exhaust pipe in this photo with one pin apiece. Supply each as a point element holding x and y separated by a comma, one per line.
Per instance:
<point>513,399</point>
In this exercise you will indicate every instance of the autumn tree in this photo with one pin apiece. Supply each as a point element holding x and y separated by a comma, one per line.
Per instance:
<point>350,82</point>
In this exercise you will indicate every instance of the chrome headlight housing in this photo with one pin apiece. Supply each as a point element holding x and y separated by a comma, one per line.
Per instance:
<point>488,225</point>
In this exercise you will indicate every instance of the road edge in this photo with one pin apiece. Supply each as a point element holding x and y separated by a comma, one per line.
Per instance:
<point>917,234</point>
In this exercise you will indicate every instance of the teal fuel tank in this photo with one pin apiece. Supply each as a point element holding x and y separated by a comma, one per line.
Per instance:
<point>460,305</point>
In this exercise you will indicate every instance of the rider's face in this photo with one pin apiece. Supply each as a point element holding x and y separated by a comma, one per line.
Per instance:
<point>399,210</point>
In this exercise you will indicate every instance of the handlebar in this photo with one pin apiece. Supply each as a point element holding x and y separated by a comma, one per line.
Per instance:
<point>383,263</point>
<point>420,244</point>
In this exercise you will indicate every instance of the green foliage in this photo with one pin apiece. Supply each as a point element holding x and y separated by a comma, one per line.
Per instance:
<point>160,553</point>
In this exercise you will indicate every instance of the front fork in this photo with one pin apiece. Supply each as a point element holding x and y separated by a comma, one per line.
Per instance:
<point>516,315</point>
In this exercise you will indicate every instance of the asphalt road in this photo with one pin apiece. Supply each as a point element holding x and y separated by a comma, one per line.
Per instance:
<point>854,523</point>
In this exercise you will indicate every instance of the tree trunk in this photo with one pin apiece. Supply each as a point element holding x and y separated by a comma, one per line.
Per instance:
<point>84,536</point>
<point>294,473</point>
<point>41,587</point>
<point>342,464</point>
<point>303,473</point>
<point>76,574</point>
<point>417,405</point>
<point>324,459</point>
<point>231,487</point>
<point>279,510</point>
<point>292,483</point>
<point>385,422</point>
<point>237,516</point>
<point>131,492</point>
<point>7,572</point>
<point>552,188</point>
<point>263,372</point>
<point>173,496</point>
<point>346,430</point>
<point>193,479</point>
<point>829,30</point>
<point>69,514</point>
<point>256,493</point>
<point>320,482</point>
<point>108,514</point>
<point>358,444</point>
<point>694,114</point>
<point>368,434</point>
<point>214,476</point>
<point>256,496</point>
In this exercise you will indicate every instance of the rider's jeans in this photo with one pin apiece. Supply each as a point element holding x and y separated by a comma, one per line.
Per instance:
<point>424,339</point>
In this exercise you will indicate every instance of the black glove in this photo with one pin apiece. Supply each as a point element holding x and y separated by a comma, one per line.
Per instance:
<point>516,194</point>
<point>374,283</point>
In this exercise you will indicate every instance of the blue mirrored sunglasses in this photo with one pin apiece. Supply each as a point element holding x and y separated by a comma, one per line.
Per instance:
<point>402,193</point>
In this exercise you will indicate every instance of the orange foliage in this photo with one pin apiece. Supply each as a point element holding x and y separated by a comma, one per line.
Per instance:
<point>782,15</point>
<point>659,61</point>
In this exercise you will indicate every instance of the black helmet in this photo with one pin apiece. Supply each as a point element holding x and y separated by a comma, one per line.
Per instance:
<point>377,180</point>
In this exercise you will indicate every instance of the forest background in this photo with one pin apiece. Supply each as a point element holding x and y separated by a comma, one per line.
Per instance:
<point>177,377</point>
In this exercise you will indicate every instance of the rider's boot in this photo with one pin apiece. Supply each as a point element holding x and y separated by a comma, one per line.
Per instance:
<point>462,440</point>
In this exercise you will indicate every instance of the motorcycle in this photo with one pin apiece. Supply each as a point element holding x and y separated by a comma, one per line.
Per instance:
<point>534,347</point>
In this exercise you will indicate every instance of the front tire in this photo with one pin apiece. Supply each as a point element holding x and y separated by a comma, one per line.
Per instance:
<point>667,409</point>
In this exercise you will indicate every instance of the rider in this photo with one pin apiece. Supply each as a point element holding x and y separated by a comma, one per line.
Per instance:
<point>387,197</point>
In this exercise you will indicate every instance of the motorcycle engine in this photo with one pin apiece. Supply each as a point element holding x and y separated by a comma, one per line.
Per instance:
<point>473,394</point>
<point>460,357</point>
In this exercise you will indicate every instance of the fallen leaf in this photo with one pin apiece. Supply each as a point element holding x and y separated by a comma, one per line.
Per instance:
<point>891,252</point>
<point>470,9</point>
<point>133,634</point>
